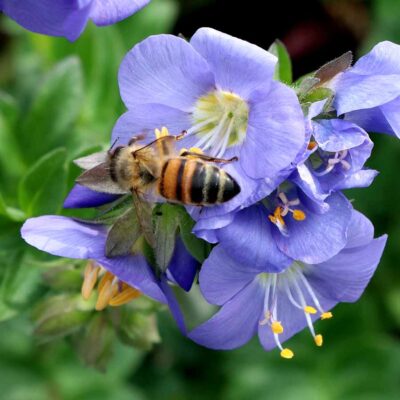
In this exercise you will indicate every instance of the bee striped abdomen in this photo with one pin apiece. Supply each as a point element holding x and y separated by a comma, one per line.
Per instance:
<point>190,181</point>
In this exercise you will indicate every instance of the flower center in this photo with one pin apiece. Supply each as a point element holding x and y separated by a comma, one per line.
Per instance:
<point>220,121</point>
<point>285,207</point>
<point>111,291</point>
<point>294,285</point>
<point>338,158</point>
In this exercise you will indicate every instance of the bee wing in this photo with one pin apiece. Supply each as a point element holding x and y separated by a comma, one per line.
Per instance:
<point>99,180</point>
<point>92,160</point>
<point>144,212</point>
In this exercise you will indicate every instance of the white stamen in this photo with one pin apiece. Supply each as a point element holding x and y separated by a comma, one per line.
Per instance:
<point>304,304</point>
<point>211,114</point>
<point>197,128</point>
<point>310,291</point>
<point>290,296</point>
<point>338,158</point>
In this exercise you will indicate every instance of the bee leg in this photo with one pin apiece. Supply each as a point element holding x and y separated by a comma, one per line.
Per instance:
<point>181,135</point>
<point>209,158</point>
<point>135,139</point>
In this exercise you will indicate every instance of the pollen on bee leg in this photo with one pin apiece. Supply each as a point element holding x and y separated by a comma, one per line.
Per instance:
<point>90,279</point>
<point>319,340</point>
<point>326,315</point>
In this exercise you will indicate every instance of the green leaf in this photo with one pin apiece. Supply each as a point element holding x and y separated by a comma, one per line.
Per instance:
<point>63,278</point>
<point>53,111</point>
<point>166,224</point>
<point>317,94</point>
<point>42,189</point>
<point>9,212</point>
<point>138,329</point>
<point>198,248</point>
<point>11,163</point>
<point>60,315</point>
<point>283,71</point>
<point>95,346</point>
<point>20,283</point>
<point>10,237</point>
<point>123,234</point>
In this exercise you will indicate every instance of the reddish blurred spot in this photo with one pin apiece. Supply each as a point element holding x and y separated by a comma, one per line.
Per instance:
<point>305,38</point>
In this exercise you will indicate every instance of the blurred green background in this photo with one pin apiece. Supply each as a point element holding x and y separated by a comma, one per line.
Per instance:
<point>58,100</point>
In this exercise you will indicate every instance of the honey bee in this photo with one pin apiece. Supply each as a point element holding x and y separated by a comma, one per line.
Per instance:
<point>187,178</point>
<point>152,171</point>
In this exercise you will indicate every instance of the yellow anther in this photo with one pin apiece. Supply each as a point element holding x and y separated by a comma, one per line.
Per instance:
<point>326,315</point>
<point>277,217</point>
<point>161,133</point>
<point>319,340</point>
<point>287,353</point>
<point>310,310</point>
<point>90,279</point>
<point>106,291</point>
<point>277,327</point>
<point>312,145</point>
<point>299,215</point>
<point>127,294</point>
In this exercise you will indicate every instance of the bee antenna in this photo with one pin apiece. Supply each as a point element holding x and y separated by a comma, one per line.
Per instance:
<point>113,144</point>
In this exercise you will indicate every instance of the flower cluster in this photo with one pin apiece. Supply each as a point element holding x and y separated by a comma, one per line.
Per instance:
<point>289,246</point>
<point>68,18</point>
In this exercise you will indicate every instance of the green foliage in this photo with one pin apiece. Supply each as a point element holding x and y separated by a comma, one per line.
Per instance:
<point>43,187</point>
<point>283,71</point>
<point>166,224</point>
<point>58,95</point>
<point>198,248</point>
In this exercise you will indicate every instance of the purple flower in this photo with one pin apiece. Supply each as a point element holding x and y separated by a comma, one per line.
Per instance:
<point>65,237</point>
<point>278,305</point>
<point>369,92</point>
<point>335,157</point>
<point>83,197</point>
<point>68,18</point>
<point>285,226</point>
<point>221,90</point>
